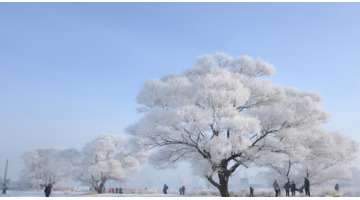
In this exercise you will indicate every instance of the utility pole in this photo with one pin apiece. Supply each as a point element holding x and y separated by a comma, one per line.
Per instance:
<point>4,185</point>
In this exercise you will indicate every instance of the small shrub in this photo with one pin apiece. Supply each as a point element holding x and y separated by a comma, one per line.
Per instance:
<point>209,192</point>
<point>331,193</point>
<point>151,191</point>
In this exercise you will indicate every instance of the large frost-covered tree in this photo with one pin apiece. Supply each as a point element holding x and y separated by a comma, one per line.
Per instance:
<point>44,166</point>
<point>221,114</point>
<point>107,157</point>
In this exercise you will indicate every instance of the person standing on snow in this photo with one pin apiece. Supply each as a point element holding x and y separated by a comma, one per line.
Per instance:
<point>293,188</point>
<point>287,188</point>
<point>251,192</point>
<point>180,190</point>
<point>307,186</point>
<point>183,189</point>
<point>165,189</point>
<point>48,190</point>
<point>276,188</point>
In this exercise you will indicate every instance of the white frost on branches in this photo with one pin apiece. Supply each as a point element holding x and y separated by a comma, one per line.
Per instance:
<point>44,166</point>
<point>221,115</point>
<point>108,157</point>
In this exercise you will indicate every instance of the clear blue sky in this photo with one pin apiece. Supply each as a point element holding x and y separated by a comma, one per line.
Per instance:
<point>69,71</point>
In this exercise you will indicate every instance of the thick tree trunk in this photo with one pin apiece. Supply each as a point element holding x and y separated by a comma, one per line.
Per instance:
<point>223,185</point>
<point>100,188</point>
<point>223,175</point>
<point>102,184</point>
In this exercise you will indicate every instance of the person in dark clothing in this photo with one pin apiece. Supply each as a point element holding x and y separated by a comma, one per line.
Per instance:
<point>337,187</point>
<point>47,190</point>
<point>307,186</point>
<point>293,188</point>
<point>165,189</point>
<point>183,189</point>
<point>251,192</point>
<point>287,188</point>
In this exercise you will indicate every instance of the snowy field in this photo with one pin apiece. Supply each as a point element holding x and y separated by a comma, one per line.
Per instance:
<point>27,194</point>
<point>17,193</point>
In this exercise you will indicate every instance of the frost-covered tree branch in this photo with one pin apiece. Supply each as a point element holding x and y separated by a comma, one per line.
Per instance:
<point>108,157</point>
<point>44,166</point>
<point>220,115</point>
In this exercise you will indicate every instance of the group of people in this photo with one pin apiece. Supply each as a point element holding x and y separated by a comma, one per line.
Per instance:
<point>116,190</point>
<point>181,189</point>
<point>47,190</point>
<point>292,187</point>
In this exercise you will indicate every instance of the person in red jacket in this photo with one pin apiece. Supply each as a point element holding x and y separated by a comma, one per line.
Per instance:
<point>183,190</point>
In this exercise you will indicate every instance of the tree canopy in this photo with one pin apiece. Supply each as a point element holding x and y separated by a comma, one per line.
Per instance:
<point>223,113</point>
<point>108,157</point>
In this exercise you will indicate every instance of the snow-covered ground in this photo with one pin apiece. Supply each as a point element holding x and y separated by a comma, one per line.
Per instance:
<point>17,193</point>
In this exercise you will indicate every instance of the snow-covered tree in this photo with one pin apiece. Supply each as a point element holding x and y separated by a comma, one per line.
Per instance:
<point>315,153</point>
<point>107,157</point>
<point>331,157</point>
<point>44,166</point>
<point>221,114</point>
